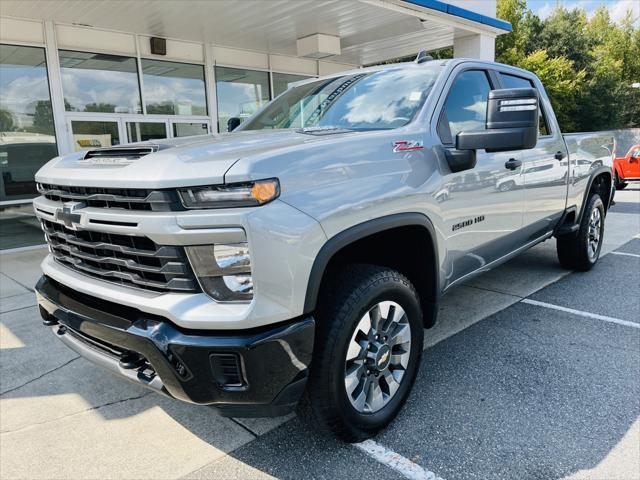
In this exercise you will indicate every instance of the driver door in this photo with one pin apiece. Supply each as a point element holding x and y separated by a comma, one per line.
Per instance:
<point>481,219</point>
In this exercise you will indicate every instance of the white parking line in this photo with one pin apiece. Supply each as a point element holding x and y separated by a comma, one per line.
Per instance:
<point>395,461</point>
<point>582,313</point>
<point>626,254</point>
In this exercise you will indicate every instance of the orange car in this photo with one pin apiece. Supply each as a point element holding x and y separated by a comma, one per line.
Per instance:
<point>627,168</point>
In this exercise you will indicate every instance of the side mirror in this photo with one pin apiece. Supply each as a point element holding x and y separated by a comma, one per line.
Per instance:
<point>512,122</point>
<point>232,124</point>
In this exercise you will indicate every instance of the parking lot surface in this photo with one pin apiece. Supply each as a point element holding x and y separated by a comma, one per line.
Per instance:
<point>531,372</point>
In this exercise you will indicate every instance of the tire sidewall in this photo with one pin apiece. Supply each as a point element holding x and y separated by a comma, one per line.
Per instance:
<point>594,202</point>
<point>388,291</point>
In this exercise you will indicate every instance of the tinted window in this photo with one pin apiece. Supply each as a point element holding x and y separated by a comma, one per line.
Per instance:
<point>95,82</point>
<point>27,137</point>
<point>511,81</point>
<point>172,88</point>
<point>466,105</point>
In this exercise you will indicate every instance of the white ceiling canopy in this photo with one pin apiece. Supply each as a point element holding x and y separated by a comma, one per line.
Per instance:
<point>369,30</point>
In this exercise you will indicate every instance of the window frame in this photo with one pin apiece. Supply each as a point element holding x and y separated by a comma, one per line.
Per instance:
<point>143,99</point>
<point>138,72</point>
<point>443,130</point>
<point>543,111</point>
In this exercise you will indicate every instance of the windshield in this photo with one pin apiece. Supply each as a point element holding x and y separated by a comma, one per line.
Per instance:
<point>361,101</point>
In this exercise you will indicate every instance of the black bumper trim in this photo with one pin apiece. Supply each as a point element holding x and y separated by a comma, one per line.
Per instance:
<point>176,361</point>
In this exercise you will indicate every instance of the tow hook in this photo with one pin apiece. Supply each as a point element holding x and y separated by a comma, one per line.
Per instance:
<point>130,360</point>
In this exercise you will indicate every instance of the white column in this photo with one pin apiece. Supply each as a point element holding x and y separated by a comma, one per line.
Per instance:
<point>210,81</point>
<point>479,45</point>
<point>55,84</point>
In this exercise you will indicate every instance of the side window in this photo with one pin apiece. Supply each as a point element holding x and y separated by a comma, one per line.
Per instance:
<point>466,105</point>
<point>636,154</point>
<point>511,81</point>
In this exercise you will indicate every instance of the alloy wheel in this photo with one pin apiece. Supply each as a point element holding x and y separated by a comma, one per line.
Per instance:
<point>377,357</point>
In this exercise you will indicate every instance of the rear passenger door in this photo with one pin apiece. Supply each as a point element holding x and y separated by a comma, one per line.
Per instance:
<point>480,219</point>
<point>545,170</point>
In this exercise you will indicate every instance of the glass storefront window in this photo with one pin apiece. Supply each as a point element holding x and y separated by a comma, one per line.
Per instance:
<point>89,134</point>
<point>142,131</point>
<point>96,82</point>
<point>27,135</point>
<point>240,93</point>
<point>281,82</point>
<point>172,88</point>
<point>188,129</point>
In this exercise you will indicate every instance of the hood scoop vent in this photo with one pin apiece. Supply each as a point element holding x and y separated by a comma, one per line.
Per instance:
<point>118,156</point>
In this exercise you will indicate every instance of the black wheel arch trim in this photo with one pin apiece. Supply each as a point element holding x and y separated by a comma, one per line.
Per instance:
<point>363,230</point>
<point>607,201</point>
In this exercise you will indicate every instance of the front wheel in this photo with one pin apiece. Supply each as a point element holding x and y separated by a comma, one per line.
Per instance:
<point>581,252</point>
<point>367,351</point>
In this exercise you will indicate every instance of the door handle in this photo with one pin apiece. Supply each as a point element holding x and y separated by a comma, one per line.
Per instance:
<point>559,155</point>
<point>512,164</point>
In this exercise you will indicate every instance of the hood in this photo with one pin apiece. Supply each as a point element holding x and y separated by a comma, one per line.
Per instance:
<point>187,161</point>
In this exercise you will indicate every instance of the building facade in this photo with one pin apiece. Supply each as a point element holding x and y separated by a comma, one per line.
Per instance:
<point>77,74</point>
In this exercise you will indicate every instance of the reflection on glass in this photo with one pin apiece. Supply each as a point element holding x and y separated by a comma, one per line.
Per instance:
<point>142,131</point>
<point>281,82</point>
<point>27,136</point>
<point>96,82</point>
<point>172,88</point>
<point>466,106</point>
<point>88,135</point>
<point>188,129</point>
<point>372,100</point>
<point>240,93</point>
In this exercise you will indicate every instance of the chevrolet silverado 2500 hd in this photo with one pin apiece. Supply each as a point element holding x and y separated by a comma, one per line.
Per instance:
<point>298,258</point>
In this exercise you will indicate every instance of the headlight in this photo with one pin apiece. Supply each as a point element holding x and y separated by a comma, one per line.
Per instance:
<point>223,270</point>
<point>249,194</point>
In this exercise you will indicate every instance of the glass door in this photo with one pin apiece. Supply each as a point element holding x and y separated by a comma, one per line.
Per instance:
<point>142,131</point>
<point>187,129</point>
<point>89,133</point>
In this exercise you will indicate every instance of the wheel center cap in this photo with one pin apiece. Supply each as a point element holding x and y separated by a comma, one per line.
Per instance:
<point>383,357</point>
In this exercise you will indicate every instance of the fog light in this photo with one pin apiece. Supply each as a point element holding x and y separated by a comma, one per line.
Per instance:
<point>223,270</point>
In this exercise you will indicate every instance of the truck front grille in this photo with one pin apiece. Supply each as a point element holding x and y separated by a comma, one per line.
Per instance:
<point>124,259</point>
<point>122,198</point>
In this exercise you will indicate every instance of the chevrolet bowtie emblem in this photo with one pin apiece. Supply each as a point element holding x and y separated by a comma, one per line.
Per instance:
<point>68,217</point>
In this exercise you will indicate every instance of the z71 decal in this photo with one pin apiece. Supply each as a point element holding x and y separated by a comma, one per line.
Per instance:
<point>407,146</point>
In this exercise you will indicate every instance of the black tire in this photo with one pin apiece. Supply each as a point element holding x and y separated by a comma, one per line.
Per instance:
<point>354,291</point>
<point>619,184</point>
<point>575,252</point>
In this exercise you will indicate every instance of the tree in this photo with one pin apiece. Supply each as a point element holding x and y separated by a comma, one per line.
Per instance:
<point>562,84</point>
<point>6,120</point>
<point>586,65</point>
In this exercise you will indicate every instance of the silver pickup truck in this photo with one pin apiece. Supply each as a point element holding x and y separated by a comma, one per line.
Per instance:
<point>297,259</point>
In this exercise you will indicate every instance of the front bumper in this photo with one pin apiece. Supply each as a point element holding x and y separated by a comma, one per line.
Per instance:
<point>256,372</point>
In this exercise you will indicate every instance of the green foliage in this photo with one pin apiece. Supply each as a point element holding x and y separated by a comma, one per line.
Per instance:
<point>587,65</point>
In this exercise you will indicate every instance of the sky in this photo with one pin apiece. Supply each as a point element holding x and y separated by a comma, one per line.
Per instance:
<point>617,8</point>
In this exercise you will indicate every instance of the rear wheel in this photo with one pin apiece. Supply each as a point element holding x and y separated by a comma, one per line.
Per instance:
<point>619,184</point>
<point>581,252</point>
<point>368,347</point>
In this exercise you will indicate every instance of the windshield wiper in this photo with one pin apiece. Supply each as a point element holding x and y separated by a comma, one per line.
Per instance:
<point>324,130</point>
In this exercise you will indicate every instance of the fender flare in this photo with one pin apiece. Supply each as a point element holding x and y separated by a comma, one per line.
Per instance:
<point>596,173</point>
<point>358,232</point>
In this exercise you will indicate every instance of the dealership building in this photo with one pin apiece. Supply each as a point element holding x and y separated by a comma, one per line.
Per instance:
<point>79,74</point>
